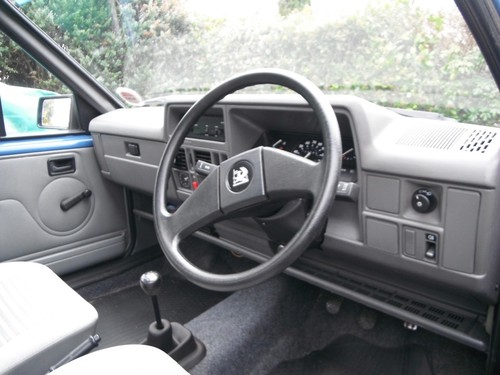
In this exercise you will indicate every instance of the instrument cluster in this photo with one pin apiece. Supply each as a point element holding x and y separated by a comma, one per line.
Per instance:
<point>311,147</point>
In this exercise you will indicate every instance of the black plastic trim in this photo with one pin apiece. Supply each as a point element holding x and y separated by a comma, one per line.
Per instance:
<point>3,132</point>
<point>484,23</point>
<point>493,365</point>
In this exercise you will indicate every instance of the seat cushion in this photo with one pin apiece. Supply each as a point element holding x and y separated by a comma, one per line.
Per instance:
<point>41,318</point>
<point>123,360</point>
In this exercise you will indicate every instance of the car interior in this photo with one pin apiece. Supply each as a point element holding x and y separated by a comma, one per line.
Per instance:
<point>247,233</point>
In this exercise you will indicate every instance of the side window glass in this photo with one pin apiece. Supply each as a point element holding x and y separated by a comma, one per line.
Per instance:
<point>33,101</point>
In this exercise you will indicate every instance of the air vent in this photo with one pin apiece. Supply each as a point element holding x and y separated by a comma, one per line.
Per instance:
<point>203,156</point>
<point>432,137</point>
<point>180,160</point>
<point>478,141</point>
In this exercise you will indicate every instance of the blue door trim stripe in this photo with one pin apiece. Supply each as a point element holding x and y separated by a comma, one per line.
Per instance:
<point>43,144</point>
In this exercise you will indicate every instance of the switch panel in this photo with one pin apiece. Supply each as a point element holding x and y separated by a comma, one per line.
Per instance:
<point>421,244</point>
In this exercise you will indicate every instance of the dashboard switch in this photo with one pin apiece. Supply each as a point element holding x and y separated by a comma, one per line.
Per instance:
<point>184,180</point>
<point>430,253</point>
<point>347,191</point>
<point>204,168</point>
<point>424,201</point>
<point>431,246</point>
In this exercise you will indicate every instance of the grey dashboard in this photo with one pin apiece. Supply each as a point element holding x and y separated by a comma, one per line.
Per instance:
<point>413,231</point>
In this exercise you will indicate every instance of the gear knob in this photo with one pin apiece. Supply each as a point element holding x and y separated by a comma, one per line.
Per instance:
<point>151,283</point>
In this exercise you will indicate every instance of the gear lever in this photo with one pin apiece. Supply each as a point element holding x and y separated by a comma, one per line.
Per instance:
<point>151,284</point>
<point>160,331</point>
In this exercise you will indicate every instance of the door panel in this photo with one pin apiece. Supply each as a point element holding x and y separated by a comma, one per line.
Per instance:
<point>33,226</point>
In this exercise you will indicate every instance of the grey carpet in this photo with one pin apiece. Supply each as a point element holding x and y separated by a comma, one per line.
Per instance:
<point>350,355</point>
<point>247,332</point>
<point>282,327</point>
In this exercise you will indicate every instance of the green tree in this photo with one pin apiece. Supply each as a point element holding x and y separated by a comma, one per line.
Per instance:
<point>288,6</point>
<point>101,36</point>
<point>430,62</point>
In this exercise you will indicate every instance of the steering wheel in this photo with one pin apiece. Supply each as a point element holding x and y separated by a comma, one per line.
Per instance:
<point>251,178</point>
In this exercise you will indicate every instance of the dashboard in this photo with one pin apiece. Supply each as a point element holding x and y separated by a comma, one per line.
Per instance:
<point>412,228</point>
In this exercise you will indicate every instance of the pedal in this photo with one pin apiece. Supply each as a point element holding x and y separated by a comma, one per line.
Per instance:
<point>367,319</point>
<point>334,304</point>
<point>410,326</point>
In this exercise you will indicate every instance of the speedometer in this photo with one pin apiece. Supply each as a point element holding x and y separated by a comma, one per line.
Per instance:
<point>311,149</point>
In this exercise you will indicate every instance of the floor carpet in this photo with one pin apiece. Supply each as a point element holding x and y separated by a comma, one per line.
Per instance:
<point>350,355</point>
<point>124,316</point>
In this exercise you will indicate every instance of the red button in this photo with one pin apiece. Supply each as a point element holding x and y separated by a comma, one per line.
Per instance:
<point>195,185</point>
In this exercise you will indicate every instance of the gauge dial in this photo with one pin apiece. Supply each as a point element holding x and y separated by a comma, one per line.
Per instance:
<point>281,144</point>
<point>348,157</point>
<point>311,149</point>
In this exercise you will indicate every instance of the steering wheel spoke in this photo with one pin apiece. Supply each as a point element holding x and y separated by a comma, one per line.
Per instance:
<point>289,176</point>
<point>200,209</point>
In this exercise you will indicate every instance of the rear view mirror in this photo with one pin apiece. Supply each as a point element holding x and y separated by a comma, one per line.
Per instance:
<point>54,112</point>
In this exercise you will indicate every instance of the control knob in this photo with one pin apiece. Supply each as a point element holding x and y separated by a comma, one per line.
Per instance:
<point>424,200</point>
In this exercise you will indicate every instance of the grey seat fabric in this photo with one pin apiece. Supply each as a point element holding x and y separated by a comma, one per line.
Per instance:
<point>123,360</point>
<point>41,318</point>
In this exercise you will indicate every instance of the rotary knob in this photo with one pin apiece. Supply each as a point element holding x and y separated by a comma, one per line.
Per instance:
<point>424,200</point>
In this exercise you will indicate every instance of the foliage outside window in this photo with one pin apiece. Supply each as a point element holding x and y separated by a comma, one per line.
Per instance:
<point>396,53</point>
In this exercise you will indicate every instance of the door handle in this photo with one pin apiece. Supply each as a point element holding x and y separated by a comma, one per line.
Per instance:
<point>58,166</point>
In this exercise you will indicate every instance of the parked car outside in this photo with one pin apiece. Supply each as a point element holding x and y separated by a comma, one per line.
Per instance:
<point>20,108</point>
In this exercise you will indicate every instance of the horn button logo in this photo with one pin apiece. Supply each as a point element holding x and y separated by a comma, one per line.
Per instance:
<point>239,176</point>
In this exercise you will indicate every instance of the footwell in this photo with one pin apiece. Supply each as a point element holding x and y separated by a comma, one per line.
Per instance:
<point>349,355</point>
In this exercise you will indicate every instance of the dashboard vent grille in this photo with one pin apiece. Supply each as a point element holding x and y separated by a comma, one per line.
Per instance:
<point>180,160</point>
<point>203,156</point>
<point>432,137</point>
<point>478,141</point>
